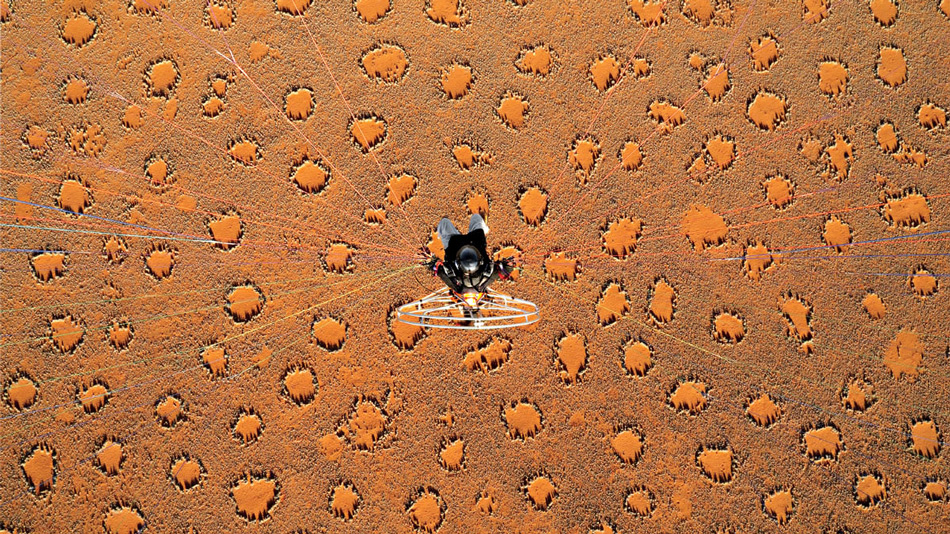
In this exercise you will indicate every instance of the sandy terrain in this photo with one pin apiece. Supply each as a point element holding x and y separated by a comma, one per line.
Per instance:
<point>731,215</point>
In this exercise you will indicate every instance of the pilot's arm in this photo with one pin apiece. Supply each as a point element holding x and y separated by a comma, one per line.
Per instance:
<point>440,270</point>
<point>499,270</point>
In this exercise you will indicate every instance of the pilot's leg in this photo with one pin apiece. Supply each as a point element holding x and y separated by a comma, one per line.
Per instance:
<point>477,223</point>
<point>446,230</point>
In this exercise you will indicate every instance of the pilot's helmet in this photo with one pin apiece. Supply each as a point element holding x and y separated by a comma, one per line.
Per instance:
<point>468,259</point>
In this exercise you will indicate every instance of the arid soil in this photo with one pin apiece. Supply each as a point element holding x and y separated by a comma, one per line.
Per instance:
<point>731,214</point>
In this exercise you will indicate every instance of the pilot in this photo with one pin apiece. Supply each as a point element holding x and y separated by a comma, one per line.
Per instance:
<point>466,266</point>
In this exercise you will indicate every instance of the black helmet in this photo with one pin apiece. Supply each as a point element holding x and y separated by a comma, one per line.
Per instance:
<point>468,259</point>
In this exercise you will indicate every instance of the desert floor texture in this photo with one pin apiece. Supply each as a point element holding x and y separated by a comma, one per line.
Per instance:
<point>733,216</point>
